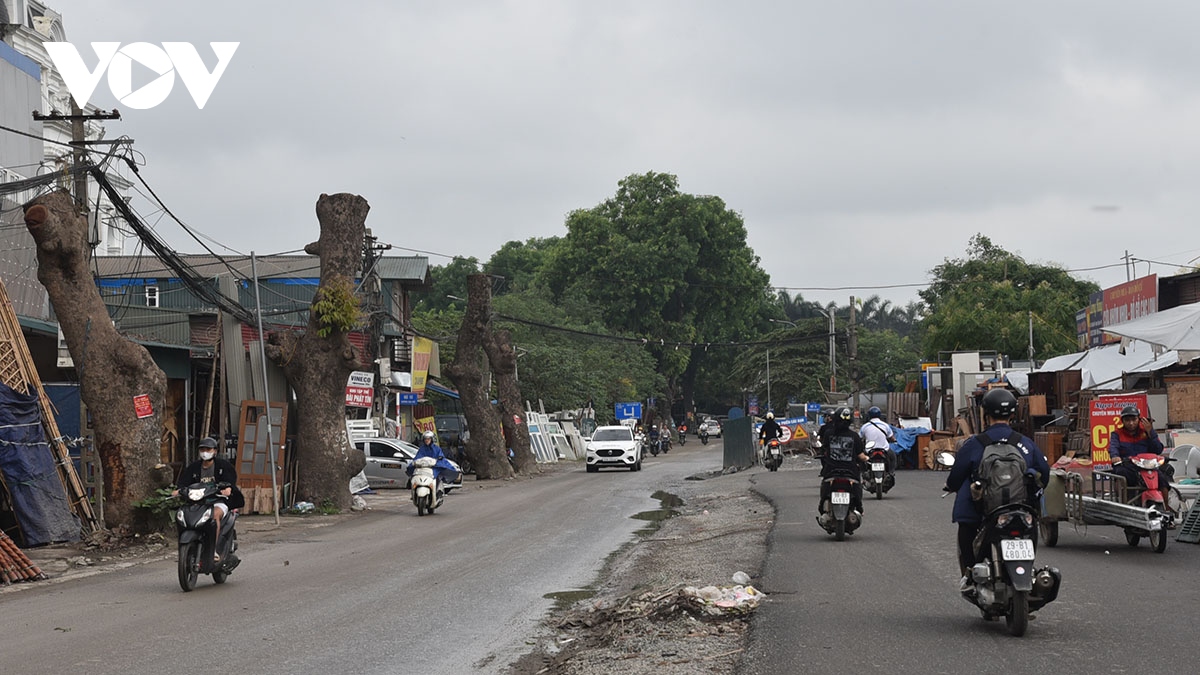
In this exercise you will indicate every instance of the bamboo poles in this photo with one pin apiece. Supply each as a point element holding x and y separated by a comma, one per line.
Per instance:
<point>15,565</point>
<point>17,371</point>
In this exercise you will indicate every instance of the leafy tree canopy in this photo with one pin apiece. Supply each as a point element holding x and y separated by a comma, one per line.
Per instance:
<point>985,301</point>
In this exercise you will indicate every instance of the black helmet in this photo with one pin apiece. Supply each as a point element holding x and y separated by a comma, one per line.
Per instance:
<point>1130,411</point>
<point>999,404</point>
<point>209,442</point>
<point>842,417</point>
<point>874,412</point>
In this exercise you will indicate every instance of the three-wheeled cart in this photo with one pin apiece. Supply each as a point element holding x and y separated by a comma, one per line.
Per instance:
<point>1110,502</point>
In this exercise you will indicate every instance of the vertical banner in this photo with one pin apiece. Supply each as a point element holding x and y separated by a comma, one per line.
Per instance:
<point>422,350</point>
<point>1105,417</point>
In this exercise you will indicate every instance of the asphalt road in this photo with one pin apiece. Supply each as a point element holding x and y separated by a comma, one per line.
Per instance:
<point>384,592</point>
<point>886,600</point>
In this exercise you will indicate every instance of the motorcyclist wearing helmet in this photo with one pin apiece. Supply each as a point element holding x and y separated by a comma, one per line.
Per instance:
<point>212,469</point>
<point>843,451</point>
<point>1134,437</point>
<point>443,471</point>
<point>880,432</point>
<point>770,430</point>
<point>999,407</point>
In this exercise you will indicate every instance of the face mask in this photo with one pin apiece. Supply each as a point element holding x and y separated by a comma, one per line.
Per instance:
<point>207,455</point>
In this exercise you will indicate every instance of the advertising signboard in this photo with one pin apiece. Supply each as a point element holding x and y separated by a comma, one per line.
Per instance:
<point>1105,417</point>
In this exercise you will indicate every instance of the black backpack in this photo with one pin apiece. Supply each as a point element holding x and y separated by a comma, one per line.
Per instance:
<point>1001,472</point>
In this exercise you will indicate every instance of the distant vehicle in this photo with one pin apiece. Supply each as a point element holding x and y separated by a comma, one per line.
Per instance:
<point>614,446</point>
<point>712,426</point>
<point>452,431</point>
<point>387,460</point>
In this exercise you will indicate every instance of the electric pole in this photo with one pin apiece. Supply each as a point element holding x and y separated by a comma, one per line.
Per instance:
<point>372,287</point>
<point>78,143</point>
<point>852,351</point>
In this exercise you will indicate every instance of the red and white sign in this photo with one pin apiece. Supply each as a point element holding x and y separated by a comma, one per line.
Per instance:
<point>1128,301</point>
<point>360,389</point>
<point>1105,417</point>
<point>142,406</point>
<point>517,420</point>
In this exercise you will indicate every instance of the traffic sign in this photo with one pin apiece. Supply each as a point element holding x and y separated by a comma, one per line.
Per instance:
<point>628,411</point>
<point>812,407</point>
<point>408,398</point>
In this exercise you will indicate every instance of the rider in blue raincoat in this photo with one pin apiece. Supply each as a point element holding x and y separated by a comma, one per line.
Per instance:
<point>443,471</point>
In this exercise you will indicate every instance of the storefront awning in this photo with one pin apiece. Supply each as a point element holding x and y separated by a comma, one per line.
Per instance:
<point>439,389</point>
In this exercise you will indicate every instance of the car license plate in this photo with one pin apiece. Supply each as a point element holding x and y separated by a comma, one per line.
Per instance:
<point>1017,549</point>
<point>877,466</point>
<point>840,497</point>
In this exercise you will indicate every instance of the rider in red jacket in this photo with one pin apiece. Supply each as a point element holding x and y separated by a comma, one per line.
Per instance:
<point>1135,436</point>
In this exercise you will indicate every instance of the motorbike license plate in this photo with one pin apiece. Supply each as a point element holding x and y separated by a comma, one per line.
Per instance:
<point>877,466</point>
<point>1017,549</point>
<point>840,497</point>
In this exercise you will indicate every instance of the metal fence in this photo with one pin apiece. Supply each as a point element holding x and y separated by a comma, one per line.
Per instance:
<point>738,438</point>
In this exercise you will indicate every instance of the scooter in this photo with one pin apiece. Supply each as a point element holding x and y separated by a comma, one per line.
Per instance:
<point>773,455</point>
<point>197,544</point>
<point>655,445</point>
<point>682,437</point>
<point>427,493</point>
<point>1005,583</point>
<point>703,437</point>
<point>875,477</point>
<point>1151,496</point>
<point>840,517</point>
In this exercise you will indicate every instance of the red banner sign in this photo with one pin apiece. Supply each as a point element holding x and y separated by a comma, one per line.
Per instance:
<point>1105,417</point>
<point>142,406</point>
<point>1128,301</point>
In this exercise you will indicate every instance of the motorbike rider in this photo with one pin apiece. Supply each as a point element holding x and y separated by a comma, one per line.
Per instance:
<point>1134,437</point>
<point>443,471</point>
<point>999,407</point>
<point>770,430</point>
<point>875,429</point>
<point>653,435</point>
<point>212,469</point>
<point>843,451</point>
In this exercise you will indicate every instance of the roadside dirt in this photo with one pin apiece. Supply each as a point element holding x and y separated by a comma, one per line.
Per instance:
<point>643,618</point>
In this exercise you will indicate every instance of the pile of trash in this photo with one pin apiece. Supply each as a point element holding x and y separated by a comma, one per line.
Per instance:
<point>707,602</point>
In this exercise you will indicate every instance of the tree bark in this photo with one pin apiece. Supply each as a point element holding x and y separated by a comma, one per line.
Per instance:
<point>503,359</point>
<point>112,370</point>
<point>317,367</point>
<point>486,449</point>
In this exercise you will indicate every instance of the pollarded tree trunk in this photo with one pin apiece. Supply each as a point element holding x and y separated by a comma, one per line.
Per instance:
<point>317,367</point>
<point>113,371</point>
<point>486,449</point>
<point>503,359</point>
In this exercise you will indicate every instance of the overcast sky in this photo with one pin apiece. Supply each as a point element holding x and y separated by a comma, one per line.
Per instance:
<point>862,142</point>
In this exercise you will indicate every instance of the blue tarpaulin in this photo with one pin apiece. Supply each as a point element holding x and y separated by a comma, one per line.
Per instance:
<point>906,439</point>
<point>28,473</point>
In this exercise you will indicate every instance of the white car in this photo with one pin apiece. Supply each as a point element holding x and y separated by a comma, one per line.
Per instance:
<point>614,446</point>
<point>712,426</point>
<point>387,460</point>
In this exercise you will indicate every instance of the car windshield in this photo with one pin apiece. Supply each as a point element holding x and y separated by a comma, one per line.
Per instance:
<point>612,435</point>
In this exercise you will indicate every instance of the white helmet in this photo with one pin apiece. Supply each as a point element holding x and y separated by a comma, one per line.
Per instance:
<point>427,434</point>
<point>770,415</point>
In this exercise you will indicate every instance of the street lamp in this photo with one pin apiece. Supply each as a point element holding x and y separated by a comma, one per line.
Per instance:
<point>832,356</point>
<point>782,321</point>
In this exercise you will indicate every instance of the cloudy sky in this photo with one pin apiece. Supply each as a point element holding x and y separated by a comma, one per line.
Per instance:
<point>863,142</point>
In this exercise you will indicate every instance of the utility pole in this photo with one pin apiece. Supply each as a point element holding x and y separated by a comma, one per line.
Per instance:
<point>78,142</point>
<point>373,292</point>
<point>852,351</point>
<point>1031,364</point>
<point>1128,276</point>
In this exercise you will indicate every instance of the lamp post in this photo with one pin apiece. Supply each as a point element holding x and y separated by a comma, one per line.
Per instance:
<point>769,408</point>
<point>832,355</point>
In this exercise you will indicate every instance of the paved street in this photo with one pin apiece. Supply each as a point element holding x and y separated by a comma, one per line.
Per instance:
<point>885,600</point>
<point>385,592</point>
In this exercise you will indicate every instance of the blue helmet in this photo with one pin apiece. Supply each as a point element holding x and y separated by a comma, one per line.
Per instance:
<point>874,413</point>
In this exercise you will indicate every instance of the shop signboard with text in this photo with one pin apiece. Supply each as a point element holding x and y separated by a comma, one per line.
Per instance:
<point>1104,417</point>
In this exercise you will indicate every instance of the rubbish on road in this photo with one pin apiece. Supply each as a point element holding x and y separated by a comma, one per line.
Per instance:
<point>358,504</point>
<point>304,507</point>
<point>741,578</point>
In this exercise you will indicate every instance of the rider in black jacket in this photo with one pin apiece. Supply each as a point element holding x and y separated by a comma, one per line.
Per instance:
<point>212,469</point>
<point>842,452</point>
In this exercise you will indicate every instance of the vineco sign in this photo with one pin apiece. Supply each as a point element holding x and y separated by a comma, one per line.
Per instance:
<point>166,61</point>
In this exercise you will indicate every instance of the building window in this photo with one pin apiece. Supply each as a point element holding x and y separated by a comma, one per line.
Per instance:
<point>152,296</point>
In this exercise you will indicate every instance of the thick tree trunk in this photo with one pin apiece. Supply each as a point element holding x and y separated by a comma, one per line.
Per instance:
<point>318,367</point>
<point>113,371</point>
<point>503,359</point>
<point>486,449</point>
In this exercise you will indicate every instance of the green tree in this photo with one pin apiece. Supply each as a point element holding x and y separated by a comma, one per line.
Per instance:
<point>663,265</point>
<point>987,300</point>
<point>516,264</point>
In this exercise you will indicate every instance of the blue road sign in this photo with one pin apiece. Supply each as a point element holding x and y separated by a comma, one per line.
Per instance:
<point>812,407</point>
<point>408,398</point>
<point>628,411</point>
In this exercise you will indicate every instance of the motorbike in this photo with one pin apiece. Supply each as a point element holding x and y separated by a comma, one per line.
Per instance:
<point>201,550</point>
<point>773,455</point>
<point>840,517</point>
<point>703,436</point>
<point>1005,583</point>
<point>655,446</point>
<point>682,437</point>
<point>1151,495</point>
<point>875,477</point>
<point>427,492</point>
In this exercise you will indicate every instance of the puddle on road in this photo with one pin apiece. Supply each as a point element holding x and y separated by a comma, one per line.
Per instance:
<point>564,599</point>
<point>657,516</point>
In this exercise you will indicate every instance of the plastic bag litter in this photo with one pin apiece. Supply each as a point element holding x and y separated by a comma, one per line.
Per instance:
<point>741,578</point>
<point>725,597</point>
<point>358,503</point>
<point>304,507</point>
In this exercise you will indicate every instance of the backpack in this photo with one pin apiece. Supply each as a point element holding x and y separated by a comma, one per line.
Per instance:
<point>1002,472</point>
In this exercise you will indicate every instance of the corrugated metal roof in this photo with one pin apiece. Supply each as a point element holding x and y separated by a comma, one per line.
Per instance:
<point>410,270</point>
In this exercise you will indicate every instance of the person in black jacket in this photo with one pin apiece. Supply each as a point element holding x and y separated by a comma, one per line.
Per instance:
<point>212,469</point>
<point>843,452</point>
